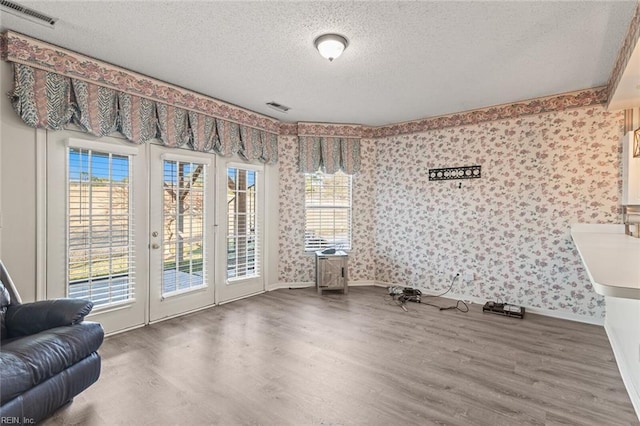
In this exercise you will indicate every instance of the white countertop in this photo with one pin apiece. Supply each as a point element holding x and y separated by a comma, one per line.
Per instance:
<point>612,259</point>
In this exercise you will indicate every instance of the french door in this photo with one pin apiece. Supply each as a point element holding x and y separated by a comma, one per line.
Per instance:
<point>141,231</point>
<point>181,232</point>
<point>241,241</point>
<point>96,226</point>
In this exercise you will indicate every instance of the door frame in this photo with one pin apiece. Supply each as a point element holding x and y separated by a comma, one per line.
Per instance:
<point>239,288</point>
<point>57,148</point>
<point>203,297</point>
<point>270,253</point>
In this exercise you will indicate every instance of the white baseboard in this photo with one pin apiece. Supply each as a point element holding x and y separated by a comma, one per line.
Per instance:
<point>364,284</point>
<point>625,367</point>
<point>539,311</point>
<point>529,309</point>
<point>451,295</point>
<point>566,315</point>
<point>300,284</point>
<point>305,284</point>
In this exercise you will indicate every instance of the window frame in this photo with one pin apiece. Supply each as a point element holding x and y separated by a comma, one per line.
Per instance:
<point>258,223</point>
<point>207,164</point>
<point>93,147</point>
<point>310,249</point>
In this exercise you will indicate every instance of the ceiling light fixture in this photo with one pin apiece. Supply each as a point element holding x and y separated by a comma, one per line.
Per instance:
<point>331,46</point>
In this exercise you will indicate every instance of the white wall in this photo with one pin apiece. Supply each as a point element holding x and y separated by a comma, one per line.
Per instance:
<point>623,328</point>
<point>17,192</point>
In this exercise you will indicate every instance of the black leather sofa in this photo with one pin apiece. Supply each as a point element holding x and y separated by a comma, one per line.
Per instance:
<point>47,353</point>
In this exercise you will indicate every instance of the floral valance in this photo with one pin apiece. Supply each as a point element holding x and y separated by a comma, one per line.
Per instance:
<point>329,147</point>
<point>48,100</point>
<point>329,154</point>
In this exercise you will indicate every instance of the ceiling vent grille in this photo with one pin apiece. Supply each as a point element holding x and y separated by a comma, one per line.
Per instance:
<point>278,107</point>
<point>27,13</point>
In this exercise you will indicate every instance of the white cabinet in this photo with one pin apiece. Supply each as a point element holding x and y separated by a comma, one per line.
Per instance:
<point>630,172</point>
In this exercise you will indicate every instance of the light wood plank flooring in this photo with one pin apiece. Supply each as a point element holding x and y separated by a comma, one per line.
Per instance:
<point>291,357</point>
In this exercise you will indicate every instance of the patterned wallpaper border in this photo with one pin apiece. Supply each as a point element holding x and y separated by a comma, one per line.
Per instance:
<point>19,48</point>
<point>288,129</point>
<point>322,129</point>
<point>327,129</point>
<point>38,54</point>
<point>578,99</point>
<point>555,103</point>
<point>629,44</point>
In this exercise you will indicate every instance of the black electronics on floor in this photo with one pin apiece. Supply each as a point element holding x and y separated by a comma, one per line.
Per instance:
<point>504,309</point>
<point>410,295</point>
<point>405,294</point>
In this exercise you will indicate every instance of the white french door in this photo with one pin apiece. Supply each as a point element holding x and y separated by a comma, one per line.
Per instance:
<point>96,226</point>
<point>134,228</point>
<point>129,227</point>
<point>241,219</point>
<point>181,188</point>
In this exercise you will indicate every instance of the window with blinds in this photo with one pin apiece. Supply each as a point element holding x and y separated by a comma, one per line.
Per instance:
<point>243,246</point>
<point>183,243</point>
<point>100,234</point>
<point>327,211</point>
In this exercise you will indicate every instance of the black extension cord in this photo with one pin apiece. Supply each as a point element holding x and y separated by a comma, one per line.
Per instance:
<point>446,308</point>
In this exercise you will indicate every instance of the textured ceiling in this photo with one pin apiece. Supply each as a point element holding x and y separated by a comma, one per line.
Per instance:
<point>405,61</point>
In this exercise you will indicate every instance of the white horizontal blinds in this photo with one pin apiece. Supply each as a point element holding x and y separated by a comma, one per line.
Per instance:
<point>183,243</point>
<point>327,211</point>
<point>243,245</point>
<point>100,232</point>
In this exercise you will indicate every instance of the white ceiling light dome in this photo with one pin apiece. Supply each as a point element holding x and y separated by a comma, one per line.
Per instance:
<point>331,46</point>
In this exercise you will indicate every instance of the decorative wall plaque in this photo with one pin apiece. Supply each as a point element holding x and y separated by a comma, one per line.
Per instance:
<point>449,173</point>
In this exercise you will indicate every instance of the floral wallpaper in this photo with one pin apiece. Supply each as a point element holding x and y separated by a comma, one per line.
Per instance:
<point>296,266</point>
<point>510,228</point>
<point>362,256</point>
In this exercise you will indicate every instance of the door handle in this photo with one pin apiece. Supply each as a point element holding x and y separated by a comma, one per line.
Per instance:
<point>155,246</point>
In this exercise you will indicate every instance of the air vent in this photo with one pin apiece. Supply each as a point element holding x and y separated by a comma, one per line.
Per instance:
<point>278,107</point>
<point>27,13</point>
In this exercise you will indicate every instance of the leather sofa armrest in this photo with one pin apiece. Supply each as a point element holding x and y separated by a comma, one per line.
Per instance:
<point>32,318</point>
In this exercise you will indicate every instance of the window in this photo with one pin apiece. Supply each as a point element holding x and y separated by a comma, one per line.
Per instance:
<point>183,214</point>
<point>328,211</point>
<point>100,261</point>
<point>243,245</point>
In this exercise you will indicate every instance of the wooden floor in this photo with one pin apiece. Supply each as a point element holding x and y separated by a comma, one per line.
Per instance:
<point>291,357</point>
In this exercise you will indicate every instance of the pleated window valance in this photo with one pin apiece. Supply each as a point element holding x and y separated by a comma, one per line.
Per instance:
<point>48,100</point>
<point>329,154</point>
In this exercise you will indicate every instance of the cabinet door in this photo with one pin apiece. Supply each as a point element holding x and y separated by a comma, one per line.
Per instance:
<point>332,272</point>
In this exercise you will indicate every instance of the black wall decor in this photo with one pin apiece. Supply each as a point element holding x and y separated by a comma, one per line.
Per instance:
<point>449,173</point>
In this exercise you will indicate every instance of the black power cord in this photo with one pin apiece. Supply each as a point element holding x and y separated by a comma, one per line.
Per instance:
<point>402,295</point>
<point>453,280</point>
<point>446,308</point>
